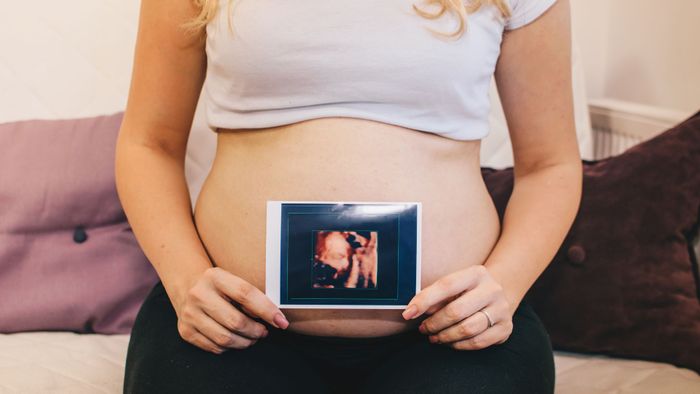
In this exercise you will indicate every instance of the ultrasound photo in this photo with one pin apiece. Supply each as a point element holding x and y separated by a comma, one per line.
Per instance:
<point>335,254</point>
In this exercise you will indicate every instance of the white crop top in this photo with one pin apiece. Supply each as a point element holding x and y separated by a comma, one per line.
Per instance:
<point>289,61</point>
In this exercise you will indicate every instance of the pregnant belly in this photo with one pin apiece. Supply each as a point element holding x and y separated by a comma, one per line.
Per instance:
<point>345,159</point>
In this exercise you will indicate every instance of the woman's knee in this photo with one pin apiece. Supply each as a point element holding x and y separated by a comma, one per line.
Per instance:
<point>160,361</point>
<point>531,344</point>
<point>185,368</point>
<point>522,364</point>
<point>154,355</point>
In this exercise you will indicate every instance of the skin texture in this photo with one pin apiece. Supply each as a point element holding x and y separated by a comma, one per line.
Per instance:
<point>210,260</point>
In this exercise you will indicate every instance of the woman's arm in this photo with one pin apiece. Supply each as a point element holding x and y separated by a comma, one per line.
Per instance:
<point>534,82</point>
<point>533,76</point>
<point>168,72</point>
<point>167,76</point>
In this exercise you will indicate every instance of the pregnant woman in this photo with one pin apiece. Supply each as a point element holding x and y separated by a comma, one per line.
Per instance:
<point>364,100</point>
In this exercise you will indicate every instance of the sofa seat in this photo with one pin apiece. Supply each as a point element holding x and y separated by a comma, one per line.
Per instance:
<point>65,362</point>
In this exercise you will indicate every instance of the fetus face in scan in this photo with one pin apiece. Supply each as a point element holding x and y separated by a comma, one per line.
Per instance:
<point>345,259</point>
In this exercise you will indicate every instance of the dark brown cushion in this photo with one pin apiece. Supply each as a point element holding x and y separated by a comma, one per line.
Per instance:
<point>625,281</point>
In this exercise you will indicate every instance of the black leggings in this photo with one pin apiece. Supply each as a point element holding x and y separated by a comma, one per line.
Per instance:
<point>160,361</point>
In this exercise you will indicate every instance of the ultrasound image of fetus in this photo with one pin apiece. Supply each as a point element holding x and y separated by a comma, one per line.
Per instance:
<point>345,259</point>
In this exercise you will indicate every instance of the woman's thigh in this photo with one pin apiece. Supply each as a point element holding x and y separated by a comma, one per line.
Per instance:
<point>160,361</point>
<point>522,364</point>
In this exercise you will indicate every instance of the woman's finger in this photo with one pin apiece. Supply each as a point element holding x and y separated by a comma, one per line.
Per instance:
<point>218,334</point>
<point>447,286</point>
<point>231,318</point>
<point>249,297</point>
<point>461,308</point>
<point>497,334</point>
<point>467,328</point>
<point>441,305</point>
<point>198,339</point>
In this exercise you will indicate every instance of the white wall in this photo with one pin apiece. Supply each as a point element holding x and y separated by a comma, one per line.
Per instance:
<point>642,51</point>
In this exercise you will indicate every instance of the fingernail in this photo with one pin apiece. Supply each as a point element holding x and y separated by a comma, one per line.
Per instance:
<point>422,328</point>
<point>264,334</point>
<point>410,312</point>
<point>280,321</point>
<point>433,339</point>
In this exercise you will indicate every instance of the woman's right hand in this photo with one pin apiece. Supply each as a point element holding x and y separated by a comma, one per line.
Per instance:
<point>219,309</point>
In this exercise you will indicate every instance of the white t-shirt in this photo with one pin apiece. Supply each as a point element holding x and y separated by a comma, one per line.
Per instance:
<point>289,61</point>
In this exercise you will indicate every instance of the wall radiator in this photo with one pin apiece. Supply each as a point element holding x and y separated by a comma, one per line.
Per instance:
<point>618,125</point>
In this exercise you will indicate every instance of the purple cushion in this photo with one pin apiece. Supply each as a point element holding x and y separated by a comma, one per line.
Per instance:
<point>68,258</point>
<point>625,280</point>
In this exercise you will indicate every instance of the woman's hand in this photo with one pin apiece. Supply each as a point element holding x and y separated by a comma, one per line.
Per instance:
<point>454,303</point>
<point>208,319</point>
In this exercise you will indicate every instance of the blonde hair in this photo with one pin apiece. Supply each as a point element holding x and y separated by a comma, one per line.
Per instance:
<point>209,8</point>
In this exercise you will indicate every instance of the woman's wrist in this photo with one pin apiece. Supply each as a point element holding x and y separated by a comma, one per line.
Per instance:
<point>177,284</point>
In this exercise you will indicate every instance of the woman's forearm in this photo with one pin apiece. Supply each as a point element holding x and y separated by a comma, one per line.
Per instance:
<point>153,191</point>
<point>538,216</point>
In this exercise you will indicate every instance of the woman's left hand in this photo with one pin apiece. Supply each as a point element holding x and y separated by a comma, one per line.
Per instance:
<point>455,302</point>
